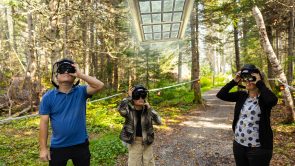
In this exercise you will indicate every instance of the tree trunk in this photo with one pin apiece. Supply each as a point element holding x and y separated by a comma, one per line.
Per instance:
<point>94,58</point>
<point>179,62</point>
<point>237,50</point>
<point>13,29</point>
<point>9,23</point>
<point>91,46</point>
<point>117,46</point>
<point>277,43</point>
<point>291,46</point>
<point>102,57</point>
<point>147,69</point>
<point>53,33</point>
<point>84,26</point>
<point>7,45</point>
<point>116,74</point>
<point>65,47</point>
<point>109,72</point>
<point>85,47</point>
<point>245,31</point>
<point>269,68</point>
<point>274,61</point>
<point>195,55</point>
<point>31,58</point>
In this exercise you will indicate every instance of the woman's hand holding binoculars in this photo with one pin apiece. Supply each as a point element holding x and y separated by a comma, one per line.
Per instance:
<point>238,77</point>
<point>257,76</point>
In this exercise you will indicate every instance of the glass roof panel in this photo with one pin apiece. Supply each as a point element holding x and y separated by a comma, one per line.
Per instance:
<point>166,35</point>
<point>175,27</point>
<point>148,36</point>
<point>160,19</point>
<point>144,6</point>
<point>147,29</point>
<point>179,5</point>
<point>156,6</point>
<point>146,18</point>
<point>157,28</point>
<point>174,34</point>
<point>166,27</point>
<point>167,17</point>
<point>157,36</point>
<point>168,5</point>
<point>156,18</point>
<point>177,16</point>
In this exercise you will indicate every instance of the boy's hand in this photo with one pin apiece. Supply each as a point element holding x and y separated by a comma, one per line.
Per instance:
<point>130,92</point>
<point>147,105</point>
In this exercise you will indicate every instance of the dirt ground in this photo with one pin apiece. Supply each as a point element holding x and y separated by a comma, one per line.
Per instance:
<point>202,138</point>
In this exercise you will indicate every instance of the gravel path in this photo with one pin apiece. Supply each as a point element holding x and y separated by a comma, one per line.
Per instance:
<point>202,138</point>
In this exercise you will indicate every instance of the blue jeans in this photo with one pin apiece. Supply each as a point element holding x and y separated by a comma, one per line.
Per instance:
<point>251,156</point>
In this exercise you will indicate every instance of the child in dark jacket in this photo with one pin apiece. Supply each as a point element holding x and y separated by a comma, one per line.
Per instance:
<point>253,137</point>
<point>138,130</point>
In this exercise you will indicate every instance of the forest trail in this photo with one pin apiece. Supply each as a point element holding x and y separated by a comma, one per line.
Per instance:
<point>204,137</point>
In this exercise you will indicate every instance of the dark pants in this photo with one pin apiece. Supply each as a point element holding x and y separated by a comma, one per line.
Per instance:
<point>251,156</point>
<point>79,154</point>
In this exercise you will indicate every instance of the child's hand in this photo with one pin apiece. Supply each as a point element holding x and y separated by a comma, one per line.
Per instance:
<point>130,92</point>
<point>147,105</point>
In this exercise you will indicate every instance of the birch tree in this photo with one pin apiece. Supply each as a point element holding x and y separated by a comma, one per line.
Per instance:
<point>273,61</point>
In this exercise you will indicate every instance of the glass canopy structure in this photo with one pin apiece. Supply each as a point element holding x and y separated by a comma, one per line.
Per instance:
<point>160,20</point>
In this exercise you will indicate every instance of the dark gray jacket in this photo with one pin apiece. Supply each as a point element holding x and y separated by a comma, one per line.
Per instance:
<point>148,117</point>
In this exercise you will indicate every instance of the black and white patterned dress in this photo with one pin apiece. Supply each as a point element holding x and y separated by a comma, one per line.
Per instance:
<point>247,128</point>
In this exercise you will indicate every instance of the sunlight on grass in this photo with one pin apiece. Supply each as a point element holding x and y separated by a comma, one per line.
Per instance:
<point>105,149</point>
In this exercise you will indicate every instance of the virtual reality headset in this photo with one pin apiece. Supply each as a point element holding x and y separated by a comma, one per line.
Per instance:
<point>61,67</point>
<point>65,66</point>
<point>246,72</point>
<point>139,92</point>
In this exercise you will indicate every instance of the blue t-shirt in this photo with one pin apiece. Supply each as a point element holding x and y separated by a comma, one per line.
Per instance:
<point>67,112</point>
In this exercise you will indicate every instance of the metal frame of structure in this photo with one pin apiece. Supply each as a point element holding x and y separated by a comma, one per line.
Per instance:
<point>160,20</point>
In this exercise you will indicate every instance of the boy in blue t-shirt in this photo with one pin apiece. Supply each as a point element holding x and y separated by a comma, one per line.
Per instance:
<point>65,107</point>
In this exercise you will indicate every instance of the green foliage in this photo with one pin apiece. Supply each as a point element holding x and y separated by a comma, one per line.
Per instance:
<point>19,144</point>
<point>205,70</point>
<point>103,117</point>
<point>105,149</point>
<point>19,141</point>
<point>172,97</point>
<point>207,82</point>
